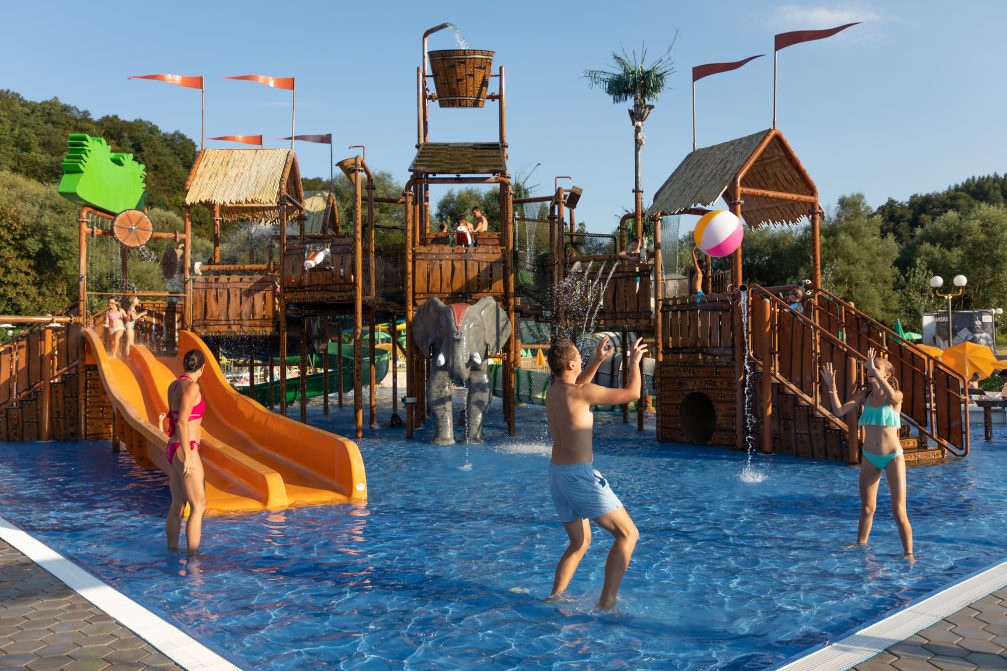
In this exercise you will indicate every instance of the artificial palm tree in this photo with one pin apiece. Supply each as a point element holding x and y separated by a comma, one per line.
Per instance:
<point>631,78</point>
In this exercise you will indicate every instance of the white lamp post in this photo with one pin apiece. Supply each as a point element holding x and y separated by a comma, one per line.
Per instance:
<point>936,282</point>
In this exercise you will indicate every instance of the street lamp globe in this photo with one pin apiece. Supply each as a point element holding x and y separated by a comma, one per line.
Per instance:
<point>936,282</point>
<point>960,280</point>
<point>999,312</point>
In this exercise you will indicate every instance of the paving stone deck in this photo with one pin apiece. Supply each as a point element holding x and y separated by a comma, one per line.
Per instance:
<point>973,638</point>
<point>46,626</point>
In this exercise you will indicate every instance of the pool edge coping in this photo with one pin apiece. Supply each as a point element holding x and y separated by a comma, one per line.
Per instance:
<point>868,640</point>
<point>168,639</point>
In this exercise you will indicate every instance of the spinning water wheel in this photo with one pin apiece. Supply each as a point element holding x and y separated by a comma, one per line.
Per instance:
<point>132,228</point>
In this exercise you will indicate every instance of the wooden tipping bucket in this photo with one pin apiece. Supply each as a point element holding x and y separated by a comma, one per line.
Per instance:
<point>461,76</point>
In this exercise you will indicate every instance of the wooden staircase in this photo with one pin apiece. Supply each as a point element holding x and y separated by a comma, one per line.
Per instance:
<point>935,417</point>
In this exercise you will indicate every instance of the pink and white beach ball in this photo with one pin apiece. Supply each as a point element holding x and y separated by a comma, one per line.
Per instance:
<point>718,233</point>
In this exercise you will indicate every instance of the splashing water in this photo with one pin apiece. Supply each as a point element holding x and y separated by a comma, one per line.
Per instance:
<point>467,466</point>
<point>459,38</point>
<point>577,300</point>
<point>749,474</point>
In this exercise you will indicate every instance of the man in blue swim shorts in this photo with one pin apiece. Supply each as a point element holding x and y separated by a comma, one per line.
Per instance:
<point>580,492</point>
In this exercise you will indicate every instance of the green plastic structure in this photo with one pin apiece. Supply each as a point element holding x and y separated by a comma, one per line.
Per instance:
<point>94,175</point>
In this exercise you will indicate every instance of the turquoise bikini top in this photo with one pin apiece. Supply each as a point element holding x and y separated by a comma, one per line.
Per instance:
<point>880,415</point>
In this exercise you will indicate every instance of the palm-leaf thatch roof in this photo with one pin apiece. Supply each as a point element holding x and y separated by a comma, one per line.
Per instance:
<point>761,161</point>
<point>245,183</point>
<point>320,211</point>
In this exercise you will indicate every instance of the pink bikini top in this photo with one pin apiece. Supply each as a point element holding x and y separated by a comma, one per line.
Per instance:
<point>198,410</point>
<point>114,315</point>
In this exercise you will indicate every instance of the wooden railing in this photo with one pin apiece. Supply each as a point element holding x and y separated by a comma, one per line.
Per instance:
<point>836,332</point>
<point>472,272</point>
<point>694,327</point>
<point>233,303</point>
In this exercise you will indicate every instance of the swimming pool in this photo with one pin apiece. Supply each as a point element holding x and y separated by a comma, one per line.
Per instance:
<point>447,565</point>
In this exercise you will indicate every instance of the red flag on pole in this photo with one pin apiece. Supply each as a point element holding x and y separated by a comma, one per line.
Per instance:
<point>275,82</point>
<point>320,139</point>
<point>243,139</point>
<point>701,71</point>
<point>193,82</point>
<point>784,40</point>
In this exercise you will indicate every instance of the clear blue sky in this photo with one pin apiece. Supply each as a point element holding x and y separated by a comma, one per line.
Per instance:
<point>909,102</point>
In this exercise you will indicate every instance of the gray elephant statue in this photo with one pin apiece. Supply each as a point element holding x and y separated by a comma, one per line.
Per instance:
<point>458,340</point>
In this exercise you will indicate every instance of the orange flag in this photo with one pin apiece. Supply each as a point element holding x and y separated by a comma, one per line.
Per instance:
<point>275,82</point>
<point>243,139</point>
<point>193,82</point>
<point>784,40</point>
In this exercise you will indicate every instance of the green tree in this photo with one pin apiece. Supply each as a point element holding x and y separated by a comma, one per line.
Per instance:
<point>460,203</point>
<point>915,296</point>
<point>973,244</point>
<point>858,261</point>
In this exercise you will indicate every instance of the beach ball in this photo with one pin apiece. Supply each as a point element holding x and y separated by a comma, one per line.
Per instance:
<point>718,233</point>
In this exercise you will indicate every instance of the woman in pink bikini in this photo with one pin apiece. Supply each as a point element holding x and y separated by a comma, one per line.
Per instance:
<point>114,327</point>
<point>881,404</point>
<point>186,408</point>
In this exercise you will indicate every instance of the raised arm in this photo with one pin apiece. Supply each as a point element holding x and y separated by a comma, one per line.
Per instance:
<point>829,380</point>
<point>892,396</point>
<point>598,395</point>
<point>602,352</point>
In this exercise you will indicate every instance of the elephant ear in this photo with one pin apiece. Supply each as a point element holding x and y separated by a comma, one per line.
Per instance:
<point>432,322</point>
<point>486,326</point>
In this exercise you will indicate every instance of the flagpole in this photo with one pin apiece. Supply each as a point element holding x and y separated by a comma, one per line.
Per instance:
<point>693,114</point>
<point>293,107</point>
<point>776,57</point>
<point>202,117</point>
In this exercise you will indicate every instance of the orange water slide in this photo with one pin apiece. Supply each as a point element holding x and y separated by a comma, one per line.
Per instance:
<point>254,459</point>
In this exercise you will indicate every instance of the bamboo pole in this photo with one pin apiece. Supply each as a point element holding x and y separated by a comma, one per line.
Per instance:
<point>187,266</point>
<point>658,320</point>
<point>510,360</point>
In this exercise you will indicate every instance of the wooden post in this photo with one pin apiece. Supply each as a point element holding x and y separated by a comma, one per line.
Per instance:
<point>358,300</point>
<point>736,202</point>
<point>283,309</point>
<point>216,233</point>
<point>410,398</point>
<point>763,327</point>
<point>625,373</point>
<point>82,313</point>
<point>325,369</point>
<point>658,319</point>
<point>740,337</point>
<point>45,398</point>
<point>303,369</point>
<point>373,372</point>
<point>187,263</point>
<point>816,249</point>
<point>852,429</point>
<point>251,377</point>
<point>511,355</point>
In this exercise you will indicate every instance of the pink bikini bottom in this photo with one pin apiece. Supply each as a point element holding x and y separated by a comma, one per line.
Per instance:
<point>174,445</point>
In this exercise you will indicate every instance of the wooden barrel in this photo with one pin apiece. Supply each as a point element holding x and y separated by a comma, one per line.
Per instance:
<point>461,76</point>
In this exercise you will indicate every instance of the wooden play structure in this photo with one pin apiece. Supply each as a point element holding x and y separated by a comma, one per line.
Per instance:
<point>739,367</point>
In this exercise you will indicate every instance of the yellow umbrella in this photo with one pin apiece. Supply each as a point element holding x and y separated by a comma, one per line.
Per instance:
<point>929,349</point>
<point>969,358</point>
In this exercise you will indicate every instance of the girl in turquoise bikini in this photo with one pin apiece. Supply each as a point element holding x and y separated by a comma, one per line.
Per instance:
<point>881,401</point>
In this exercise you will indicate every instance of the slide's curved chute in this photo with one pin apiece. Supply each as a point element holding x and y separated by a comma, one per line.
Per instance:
<point>254,459</point>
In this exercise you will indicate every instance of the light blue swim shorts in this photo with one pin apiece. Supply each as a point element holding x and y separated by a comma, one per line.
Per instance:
<point>579,491</point>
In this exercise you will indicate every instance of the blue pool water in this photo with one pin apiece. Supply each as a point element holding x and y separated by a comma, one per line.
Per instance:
<point>447,566</point>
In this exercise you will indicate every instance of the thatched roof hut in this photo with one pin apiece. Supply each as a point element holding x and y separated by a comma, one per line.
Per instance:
<point>246,184</point>
<point>773,184</point>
